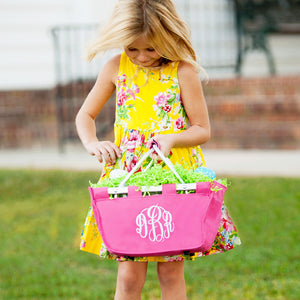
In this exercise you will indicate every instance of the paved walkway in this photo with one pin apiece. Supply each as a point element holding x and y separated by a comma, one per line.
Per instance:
<point>224,162</point>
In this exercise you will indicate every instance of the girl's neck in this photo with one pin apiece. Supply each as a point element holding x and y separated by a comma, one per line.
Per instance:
<point>161,63</point>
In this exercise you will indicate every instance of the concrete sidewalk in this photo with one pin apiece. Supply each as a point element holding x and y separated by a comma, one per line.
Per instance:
<point>223,162</point>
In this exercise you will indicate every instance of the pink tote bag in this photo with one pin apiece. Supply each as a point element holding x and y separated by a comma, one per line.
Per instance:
<point>161,224</point>
<point>166,224</point>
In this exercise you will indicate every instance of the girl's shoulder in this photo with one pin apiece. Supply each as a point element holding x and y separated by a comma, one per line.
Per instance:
<point>185,67</point>
<point>114,61</point>
<point>186,72</point>
<point>111,67</point>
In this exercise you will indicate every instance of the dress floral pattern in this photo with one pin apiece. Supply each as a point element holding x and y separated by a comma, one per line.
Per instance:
<point>148,102</point>
<point>124,94</point>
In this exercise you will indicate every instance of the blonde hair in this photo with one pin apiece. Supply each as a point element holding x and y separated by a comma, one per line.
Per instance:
<point>158,20</point>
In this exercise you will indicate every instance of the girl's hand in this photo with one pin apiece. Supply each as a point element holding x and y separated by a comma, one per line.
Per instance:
<point>104,150</point>
<point>166,143</point>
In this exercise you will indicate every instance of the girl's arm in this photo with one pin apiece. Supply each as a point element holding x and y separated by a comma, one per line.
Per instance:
<point>195,106</point>
<point>85,119</point>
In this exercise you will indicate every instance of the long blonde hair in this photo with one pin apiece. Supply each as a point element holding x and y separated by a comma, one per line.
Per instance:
<point>158,20</point>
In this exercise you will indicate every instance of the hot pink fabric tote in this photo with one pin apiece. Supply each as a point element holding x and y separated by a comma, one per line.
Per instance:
<point>166,224</point>
<point>160,224</point>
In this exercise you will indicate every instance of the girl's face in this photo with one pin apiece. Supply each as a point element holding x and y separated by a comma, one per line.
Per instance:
<point>141,53</point>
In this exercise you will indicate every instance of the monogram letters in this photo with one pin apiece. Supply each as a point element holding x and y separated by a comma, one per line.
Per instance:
<point>155,223</point>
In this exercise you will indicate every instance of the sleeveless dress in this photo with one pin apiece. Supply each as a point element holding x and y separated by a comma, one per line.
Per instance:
<point>148,102</point>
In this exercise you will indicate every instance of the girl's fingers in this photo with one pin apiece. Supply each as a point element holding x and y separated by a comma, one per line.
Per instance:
<point>153,155</point>
<point>98,154</point>
<point>105,150</point>
<point>117,150</point>
<point>104,154</point>
<point>110,152</point>
<point>95,152</point>
<point>113,151</point>
<point>111,155</point>
<point>149,143</point>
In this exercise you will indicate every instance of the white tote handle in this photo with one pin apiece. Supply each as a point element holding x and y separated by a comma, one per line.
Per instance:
<point>147,154</point>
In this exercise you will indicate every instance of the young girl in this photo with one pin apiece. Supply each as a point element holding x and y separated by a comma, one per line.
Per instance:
<point>158,96</point>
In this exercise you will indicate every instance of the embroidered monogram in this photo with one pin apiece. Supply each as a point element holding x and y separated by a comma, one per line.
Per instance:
<point>156,223</point>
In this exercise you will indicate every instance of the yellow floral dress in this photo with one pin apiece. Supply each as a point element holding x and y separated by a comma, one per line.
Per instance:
<point>148,102</point>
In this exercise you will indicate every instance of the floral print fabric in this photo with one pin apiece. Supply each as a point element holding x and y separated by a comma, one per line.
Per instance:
<point>147,103</point>
<point>149,99</point>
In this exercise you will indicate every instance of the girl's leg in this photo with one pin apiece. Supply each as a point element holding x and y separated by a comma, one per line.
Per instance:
<point>171,279</point>
<point>130,280</point>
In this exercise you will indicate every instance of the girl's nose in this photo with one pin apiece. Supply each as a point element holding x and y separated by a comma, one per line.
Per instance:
<point>142,57</point>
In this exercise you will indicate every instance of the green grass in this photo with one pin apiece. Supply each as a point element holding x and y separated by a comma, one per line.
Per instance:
<point>41,217</point>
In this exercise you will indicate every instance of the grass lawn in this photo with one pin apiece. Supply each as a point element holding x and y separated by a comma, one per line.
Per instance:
<point>42,213</point>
